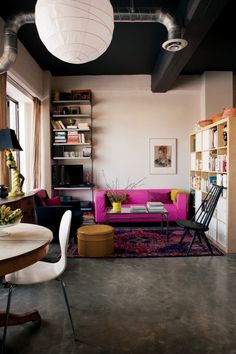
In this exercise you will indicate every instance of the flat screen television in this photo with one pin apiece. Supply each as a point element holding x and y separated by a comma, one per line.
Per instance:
<point>67,175</point>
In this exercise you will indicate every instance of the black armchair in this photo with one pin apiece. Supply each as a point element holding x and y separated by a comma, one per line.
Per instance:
<point>50,215</point>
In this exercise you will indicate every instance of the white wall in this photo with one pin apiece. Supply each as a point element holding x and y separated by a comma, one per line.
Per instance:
<point>217,92</point>
<point>127,114</point>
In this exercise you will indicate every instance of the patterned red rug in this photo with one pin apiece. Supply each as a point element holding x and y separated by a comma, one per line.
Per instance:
<point>138,242</point>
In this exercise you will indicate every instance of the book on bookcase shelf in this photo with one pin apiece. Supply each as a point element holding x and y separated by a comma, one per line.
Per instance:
<point>71,127</point>
<point>55,124</point>
<point>212,180</point>
<point>61,124</point>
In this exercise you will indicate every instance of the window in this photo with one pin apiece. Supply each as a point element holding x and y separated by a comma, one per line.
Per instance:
<point>13,122</point>
<point>19,115</point>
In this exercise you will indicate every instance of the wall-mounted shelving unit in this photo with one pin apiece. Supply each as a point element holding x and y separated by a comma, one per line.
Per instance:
<point>71,144</point>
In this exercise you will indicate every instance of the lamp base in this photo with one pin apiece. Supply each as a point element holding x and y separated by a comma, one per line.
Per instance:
<point>17,179</point>
<point>15,194</point>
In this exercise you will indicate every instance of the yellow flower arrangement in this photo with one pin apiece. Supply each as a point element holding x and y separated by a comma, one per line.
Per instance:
<point>116,198</point>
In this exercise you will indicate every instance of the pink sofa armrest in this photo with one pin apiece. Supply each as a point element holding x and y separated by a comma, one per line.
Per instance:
<point>182,205</point>
<point>100,206</point>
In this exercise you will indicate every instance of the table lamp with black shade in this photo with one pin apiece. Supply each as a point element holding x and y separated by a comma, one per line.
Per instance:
<point>9,142</point>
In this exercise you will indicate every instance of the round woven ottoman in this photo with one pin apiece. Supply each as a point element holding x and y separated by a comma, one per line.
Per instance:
<point>95,240</point>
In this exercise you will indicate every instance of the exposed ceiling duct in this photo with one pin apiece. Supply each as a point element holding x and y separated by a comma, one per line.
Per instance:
<point>12,26</point>
<point>173,43</point>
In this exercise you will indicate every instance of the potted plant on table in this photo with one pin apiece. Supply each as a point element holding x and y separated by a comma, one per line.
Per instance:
<point>115,197</point>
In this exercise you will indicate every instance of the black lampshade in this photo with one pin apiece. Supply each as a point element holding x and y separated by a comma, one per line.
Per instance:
<point>8,140</point>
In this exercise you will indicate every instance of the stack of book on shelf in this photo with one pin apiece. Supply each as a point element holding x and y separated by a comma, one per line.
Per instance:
<point>60,137</point>
<point>138,209</point>
<point>72,137</point>
<point>83,126</point>
<point>154,207</point>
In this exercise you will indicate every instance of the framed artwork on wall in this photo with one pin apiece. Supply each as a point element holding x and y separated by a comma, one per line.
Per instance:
<point>162,156</point>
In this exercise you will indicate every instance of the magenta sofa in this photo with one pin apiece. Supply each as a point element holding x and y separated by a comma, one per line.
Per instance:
<point>177,210</point>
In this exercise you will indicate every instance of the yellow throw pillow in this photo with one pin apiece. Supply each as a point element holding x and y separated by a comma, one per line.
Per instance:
<point>174,192</point>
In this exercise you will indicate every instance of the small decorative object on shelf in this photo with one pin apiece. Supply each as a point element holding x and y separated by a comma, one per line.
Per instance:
<point>81,94</point>
<point>3,191</point>
<point>56,95</point>
<point>65,110</point>
<point>225,133</point>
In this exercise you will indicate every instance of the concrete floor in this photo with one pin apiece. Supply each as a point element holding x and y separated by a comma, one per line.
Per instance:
<point>159,305</point>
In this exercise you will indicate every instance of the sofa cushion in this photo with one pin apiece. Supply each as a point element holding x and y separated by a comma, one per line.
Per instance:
<point>163,197</point>
<point>40,197</point>
<point>54,201</point>
<point>174,192</point>
<point>137,196</point>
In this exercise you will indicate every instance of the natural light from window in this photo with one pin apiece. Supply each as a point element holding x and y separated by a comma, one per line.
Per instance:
<point>21,105</point>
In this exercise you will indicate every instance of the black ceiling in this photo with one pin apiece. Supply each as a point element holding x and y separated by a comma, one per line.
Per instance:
<point>136,47</point>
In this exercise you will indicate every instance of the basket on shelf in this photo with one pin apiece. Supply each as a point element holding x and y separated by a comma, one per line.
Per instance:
<point>216,117</point>
<point>204,123</point>
<point>229,112</point>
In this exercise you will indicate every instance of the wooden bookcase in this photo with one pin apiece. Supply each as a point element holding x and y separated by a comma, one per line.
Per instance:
<point>213,160</point>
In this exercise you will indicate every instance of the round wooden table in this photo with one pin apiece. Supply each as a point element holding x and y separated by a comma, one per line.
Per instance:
<point>24,245</point>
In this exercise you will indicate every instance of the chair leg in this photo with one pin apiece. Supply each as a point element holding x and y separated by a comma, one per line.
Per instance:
<point>207,243</point>
<point>183,236</point>
<point>191,243</point>
<point>68,307</point>
<point>7,316</point>
<point>199,237</point>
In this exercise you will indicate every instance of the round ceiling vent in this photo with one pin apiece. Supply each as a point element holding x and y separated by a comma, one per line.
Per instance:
<point>175,44</point>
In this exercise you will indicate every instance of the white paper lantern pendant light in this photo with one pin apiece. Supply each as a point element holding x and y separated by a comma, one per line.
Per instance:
<point>75,31</point>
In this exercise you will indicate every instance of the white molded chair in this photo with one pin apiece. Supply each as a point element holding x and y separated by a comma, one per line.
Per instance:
<point>40,272</point>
